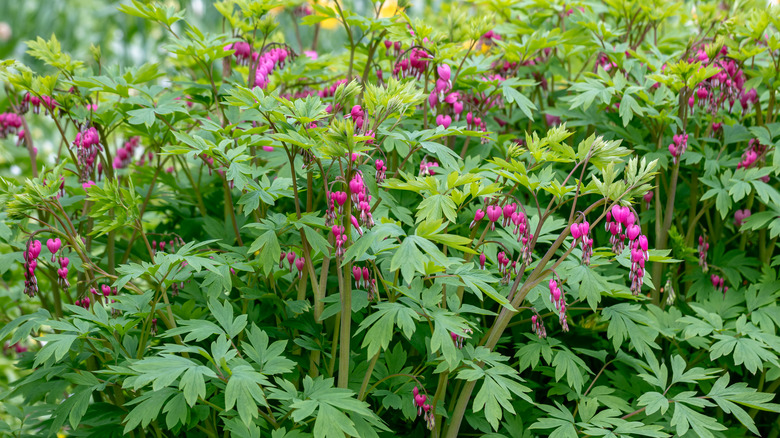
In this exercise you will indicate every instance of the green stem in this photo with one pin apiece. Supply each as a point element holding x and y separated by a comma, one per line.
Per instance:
<point>367,377</point>
<point>663,235</point>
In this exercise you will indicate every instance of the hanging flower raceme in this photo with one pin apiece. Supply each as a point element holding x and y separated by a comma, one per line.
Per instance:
<point>537,326</point>
<point>443,120</point>
<point>340,237</point>
<point>740,216</point>
<point>678,146</point>
<point>10,123</point>
<point>124,155</point>
<point>423,408</point>
<point>153,328</point>
<point>266,63</point>
<point>84,302</point>
<point>648,198</point>
<point>478,215</point>
<point>381,171</point>
<point>718,283</point>
<point>299,265</point>
<point>30,265</point>
<point>520,221</point>
<point>49,105</point>
<point>361,203</point>
<point>618,218</point>
<point>444,75</point>
<point>357,116</point>
<point>493,214</point>
<point>558,298</point>
<point>721,90</point>
<point>702,251</point>
<point>639,256</point>
<point>503,267</point>
<point>508,210</point>
<point>87,145</point>
<point>30,100</point>
<point>458,339</point>
<point>242,52</point>
<point>414,65</point>
<point>53,245</point>
<point>753,156</point>
<point>62,272</point>
<point>581,233</point>
<point>427,168</point>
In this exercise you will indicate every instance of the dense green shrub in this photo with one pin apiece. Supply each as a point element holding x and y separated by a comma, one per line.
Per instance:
<point>503,219</point>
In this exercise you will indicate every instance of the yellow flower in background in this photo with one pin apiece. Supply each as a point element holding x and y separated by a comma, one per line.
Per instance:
<point>390,9</point>
<point>60,435</point>
<point>478,46</point>
<point>330,23</point>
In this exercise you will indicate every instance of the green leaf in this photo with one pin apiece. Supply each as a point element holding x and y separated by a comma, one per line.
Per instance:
<point>568,364</point>
<point>176,408</point>
<point>144,116</point>
<point>693,375</point>
<point>196,329</point>
<point>747,351</point>
<point>500,385</point>
<point>244,390</point>
<point>268,358</point>
<point>329,405</point>
<point>591,285</point>
<point>223,312</point>
<point>316,240</point>
<point>56,345</point>
<point>162,371</point>
<point>729,397</point>
<point>513,96</point>
<point>362,244</point>
<point>559,419</point>
<point>268,246</point>
<point>654,402</point>
<point>24,324</point>
<point>685,418</point>
<point>433,207</point>
<point>73,408</point>
<point>628,108</point>
<point>627,321</point>
<point>149,406</point>
<point>381,323</point>
<point>409,259</point>
<point>444,324</point>
<point>193,385</point>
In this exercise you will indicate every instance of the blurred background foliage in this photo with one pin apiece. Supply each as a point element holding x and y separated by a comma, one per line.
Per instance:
<point>125,40</point>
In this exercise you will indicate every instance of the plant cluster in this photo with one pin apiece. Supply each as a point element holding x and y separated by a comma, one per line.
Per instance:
<point>495,220</point>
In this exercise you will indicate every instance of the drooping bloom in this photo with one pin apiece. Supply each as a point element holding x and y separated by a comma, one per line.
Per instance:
<point>537,326</point>
<point>478,215</point>
<point>493,214</point>
<point>740,216</point>
<point>702,250</point>
<point>558,298</point>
